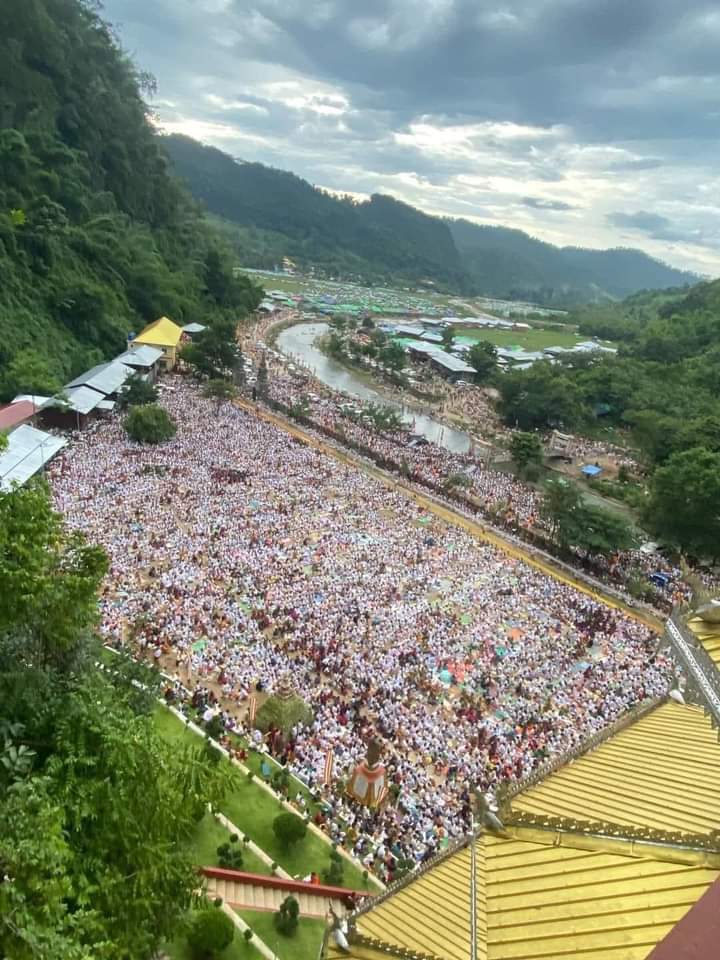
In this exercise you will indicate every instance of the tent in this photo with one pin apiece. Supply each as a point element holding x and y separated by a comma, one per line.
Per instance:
<point>590,470</point>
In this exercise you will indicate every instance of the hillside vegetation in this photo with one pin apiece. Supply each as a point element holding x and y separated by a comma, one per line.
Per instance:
<point>663,386</point>
<point>96,237</point>
<point>270,214</point>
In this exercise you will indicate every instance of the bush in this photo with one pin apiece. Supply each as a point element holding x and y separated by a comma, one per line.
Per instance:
<point>248,935</point>
<point>286,919</point>
<point>289,829</point>
<point>136,392</point>
<point>334,874</point>
<point>230,855</point>
<point>149,424</point>
<point>215,727</point>
<point>211,932</point>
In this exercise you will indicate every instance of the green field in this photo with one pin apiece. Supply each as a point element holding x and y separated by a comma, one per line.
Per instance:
<point>304,945</point>
<point>535,339</point>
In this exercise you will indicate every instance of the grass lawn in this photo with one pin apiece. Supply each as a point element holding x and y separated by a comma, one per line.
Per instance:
<point>253,810</point>
<point>304,945</point>
<point>209,834</point>
<point>238,950</point>
<point>535,339</point>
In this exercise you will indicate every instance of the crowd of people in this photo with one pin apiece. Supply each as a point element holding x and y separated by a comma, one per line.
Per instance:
<point>240,555</point>
<point>498,496</point>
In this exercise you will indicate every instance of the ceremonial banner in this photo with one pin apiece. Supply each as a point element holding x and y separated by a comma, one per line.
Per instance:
<point>252,709</point>
<point>329,761</point>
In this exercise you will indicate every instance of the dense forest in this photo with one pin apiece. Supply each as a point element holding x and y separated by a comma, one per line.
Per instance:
<point>96,237</point>
<point>662,389</point>
<point>269,214</point>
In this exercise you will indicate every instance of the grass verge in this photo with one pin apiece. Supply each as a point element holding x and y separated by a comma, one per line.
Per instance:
<point>304,945</point>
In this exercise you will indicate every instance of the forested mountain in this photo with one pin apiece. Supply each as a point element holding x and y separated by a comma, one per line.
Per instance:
<point>381,238</point>
<point>270,214</point>
<point>96,238</point>
<point>506,262</point>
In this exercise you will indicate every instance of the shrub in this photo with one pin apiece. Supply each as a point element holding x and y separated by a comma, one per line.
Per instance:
<point>334,874</point>
<point>215,727</point>
<point>229,856</point>
<point>289,829</point>
<point>149,424</point>
<point>248,935</point>
<point>286,919</point>
<point>211,931</point>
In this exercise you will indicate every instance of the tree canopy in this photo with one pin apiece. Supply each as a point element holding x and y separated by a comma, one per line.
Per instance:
<point>149,423</point>
<point>96,808</point>
<point>96,237</point>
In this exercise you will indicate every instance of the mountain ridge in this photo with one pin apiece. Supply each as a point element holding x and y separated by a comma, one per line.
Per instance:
<point>275,213</point>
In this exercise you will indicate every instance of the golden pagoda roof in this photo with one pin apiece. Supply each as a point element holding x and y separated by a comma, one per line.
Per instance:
<point>162,332</point>
<point>708,634</point>
<point>541,898</point>
<point>597,862</point>
<point>662,771</point>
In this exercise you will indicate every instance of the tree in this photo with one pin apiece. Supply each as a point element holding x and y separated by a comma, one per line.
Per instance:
<point>149,424</point>
<point>283,713</point>
<point>137,392</point>
<point>392,356</point>
<point>213,353</point>
<point>49,577</point>
<point>289,829</point>
<point>287,917</point>
<point>539,397</point>
<point>448,337</point>
<point>575,523</point>
<point>230,855</point>
<point>262,378</point>
<point>211,932</point>
<point>334,874</point>
<point>684,502</point>
<point>3,440</point>
<point>221,391</point>
<point>527,452</point>
<point>29,372</point>
<point>238,373</point>
<point>482,356</point>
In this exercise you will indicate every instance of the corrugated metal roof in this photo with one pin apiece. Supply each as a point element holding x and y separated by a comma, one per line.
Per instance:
<point>196,327</point>
<point>662,771</point>
<point>162,331</point>
<point>33,398</point>
<point>452,363</point>
<point>106,378</point>
<point>142,356</point>
<point>28,449</point>
<point>79,399</point>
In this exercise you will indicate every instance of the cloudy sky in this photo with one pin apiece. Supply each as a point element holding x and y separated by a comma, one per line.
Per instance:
<point>591,122</point>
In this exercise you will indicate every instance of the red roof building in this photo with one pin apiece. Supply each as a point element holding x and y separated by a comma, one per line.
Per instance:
<point>15,414</point>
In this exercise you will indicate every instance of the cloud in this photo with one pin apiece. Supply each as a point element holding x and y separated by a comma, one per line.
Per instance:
<point>538,203</point>
<point>505,111</point>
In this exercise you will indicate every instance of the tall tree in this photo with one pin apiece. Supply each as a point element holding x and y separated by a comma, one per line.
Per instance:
<point>684,502</point>
<point>482,356</point>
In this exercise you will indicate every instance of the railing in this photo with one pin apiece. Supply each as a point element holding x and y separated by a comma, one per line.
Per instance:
<point>702,674</point>
<point>281,883</point>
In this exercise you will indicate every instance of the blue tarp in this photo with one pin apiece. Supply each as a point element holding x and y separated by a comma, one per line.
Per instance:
<point>591,471</point>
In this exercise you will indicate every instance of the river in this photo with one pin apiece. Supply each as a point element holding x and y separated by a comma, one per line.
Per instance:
<point>298,343</point>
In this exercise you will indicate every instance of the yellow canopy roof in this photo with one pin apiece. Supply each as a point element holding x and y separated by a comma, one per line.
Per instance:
<point>537,901</point>
<point>662,771</point>
<point>162,332</point>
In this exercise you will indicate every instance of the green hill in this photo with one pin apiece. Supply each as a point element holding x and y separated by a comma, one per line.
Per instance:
<point>96,237</point>
<point>270,214</point>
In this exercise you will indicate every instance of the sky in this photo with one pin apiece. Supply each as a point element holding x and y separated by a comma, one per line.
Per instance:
<point>585,122</point>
